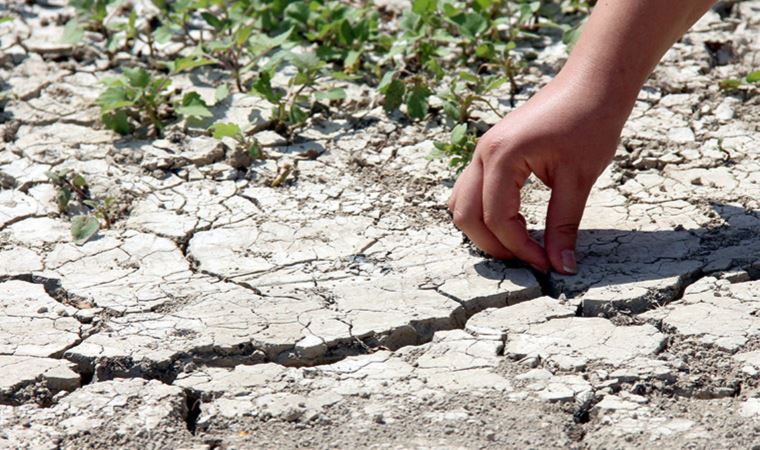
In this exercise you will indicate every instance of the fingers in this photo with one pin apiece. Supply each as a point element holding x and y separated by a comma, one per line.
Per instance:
<point>466,206</point>
<point>568,199</point>
<point>501,212</point>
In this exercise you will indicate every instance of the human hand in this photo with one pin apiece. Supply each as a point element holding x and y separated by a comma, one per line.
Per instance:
<point>566,135</point>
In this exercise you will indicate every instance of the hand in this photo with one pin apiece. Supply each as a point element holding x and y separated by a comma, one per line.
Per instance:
<point>566,135</point>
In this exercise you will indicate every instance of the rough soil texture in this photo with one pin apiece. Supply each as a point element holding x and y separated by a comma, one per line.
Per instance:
<point>343,310</point>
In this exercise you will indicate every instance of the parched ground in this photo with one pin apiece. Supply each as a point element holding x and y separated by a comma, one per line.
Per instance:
<point>343,310</point>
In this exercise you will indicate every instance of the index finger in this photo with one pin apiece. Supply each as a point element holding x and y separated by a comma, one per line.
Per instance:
<point>501,211</point>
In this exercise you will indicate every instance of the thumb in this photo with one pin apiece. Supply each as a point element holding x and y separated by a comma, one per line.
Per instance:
<point>568,199</point>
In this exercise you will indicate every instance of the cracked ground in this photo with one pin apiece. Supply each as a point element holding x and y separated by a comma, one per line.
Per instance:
<point>343,309</point>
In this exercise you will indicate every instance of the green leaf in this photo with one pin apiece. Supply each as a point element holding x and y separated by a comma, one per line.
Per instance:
<point>424,7</point>
<point>494,83</point>
<point>433,66</point>
<point>229,129</point>
<point>332,94</point>
<point>221,92</point>
<point>459,134</point>
<point>467,76</point>
<point>131,30</point>
<point>255,150</point>
<point>753,77</point>
<point>346,33</point>
<point>83,228</point>
<point>352,59</point>
<point>193,105</point>
<point>263,43</point>
<point>4,19</point>
<point>56,177</point>
<point>113,98</point>
<point>219,45</point>
<point>343,76</point>
<point>158,85</point>
<point>117,121</point>
<point>195,110</point>
<point>450,10</point>
<point>73,32</point>
<point>452,110</point>
<point>729,84</point>
<point>296,115</point>
<point>417,101</point>
<point>114,42</point>
<point>137,77</point>
<point>571,36</point>
<point>79,181</point>
<point>63,198</point>
<point>394,95</point>
<point>212,20</point>
<point>263,87</point>
<point>298,11</point>
<point>305,61</point>
<point>242,34</point>
<point>485,51</point>
<point>470,24</point>
<point>162,34</point>
<point>187,63</point>
<point>385,82</point>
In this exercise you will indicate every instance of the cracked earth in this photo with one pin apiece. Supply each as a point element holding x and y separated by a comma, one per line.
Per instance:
<point>343,309</point>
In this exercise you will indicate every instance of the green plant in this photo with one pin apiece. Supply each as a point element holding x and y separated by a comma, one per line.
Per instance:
<point>414,92</point>
<point>230,40</point>
<point>457,50</point>
<point>459,149</point>
<point>736,83</point>
<point>437,37</point>
<point>341,32</point>
<point>138,99</point>
<point>135,99</point>
<point>231,29</point>
<point>221,130</point>
<point>292,105</point>
<point>72,187</point>
<point>93,15</point>
<point>90,14</point>
<point>465,92</point>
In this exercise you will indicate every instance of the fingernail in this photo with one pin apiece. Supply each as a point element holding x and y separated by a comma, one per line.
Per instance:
<point>568,261</point>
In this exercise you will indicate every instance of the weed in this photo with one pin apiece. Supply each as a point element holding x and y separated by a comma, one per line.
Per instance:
<point>732,84</point>
<point>456,50</point>
<point>73,188</point>
<point>292,106</point>
<point>459,149</point>
<point>467,91</point>
<point>221,130</point>
<point>135,99</point>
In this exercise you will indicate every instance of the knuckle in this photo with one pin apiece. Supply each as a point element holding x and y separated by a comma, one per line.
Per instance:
<point>461,219</point>
<point>568,229</point>
<point>488,147</point>
<point>491,220</point>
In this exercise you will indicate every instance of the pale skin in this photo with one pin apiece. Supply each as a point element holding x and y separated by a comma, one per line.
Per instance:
<point>566,134</point>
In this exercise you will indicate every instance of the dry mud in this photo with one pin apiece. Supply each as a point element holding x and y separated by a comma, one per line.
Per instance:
<point>343,310</point>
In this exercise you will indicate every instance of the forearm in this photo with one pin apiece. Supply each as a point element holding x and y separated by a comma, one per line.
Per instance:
<point>624,40</point>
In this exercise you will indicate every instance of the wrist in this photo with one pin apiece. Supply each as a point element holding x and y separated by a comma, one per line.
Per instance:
<point>610,92</point>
